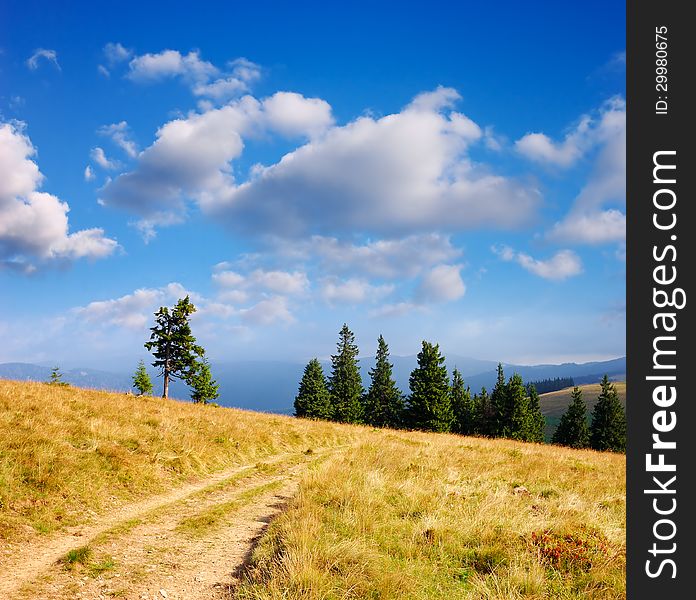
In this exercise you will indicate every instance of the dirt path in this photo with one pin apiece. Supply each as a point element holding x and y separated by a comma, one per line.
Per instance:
<point>185,544</point>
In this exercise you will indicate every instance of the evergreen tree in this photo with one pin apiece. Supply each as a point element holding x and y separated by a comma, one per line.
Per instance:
<point>572,429</point>
<point>500,417</point>
<point>484,420</point>
<point>430,405</point>
<point>384,402</point>
<point>172,343</point>
<point>462,405</point>
<point>608,428</point>
<point>141,380</point>
<point>57,377</point>
<point>204,388</point>
<point>536,422</point>
<point>312,400</point>
<point>516,423</point>
<point>345,384</point>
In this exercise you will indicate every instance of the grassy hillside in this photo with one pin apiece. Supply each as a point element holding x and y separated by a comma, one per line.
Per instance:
<point>554,404</point>
<point>66,452</point>
<point>385,515</point>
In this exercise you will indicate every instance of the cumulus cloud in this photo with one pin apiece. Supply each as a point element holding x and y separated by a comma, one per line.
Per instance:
<point>89,173</point>
<point>132,311</point>
<point>236,82</point>
<point>399,258</point>
<point>116,53</point>
<point>149,68</point>
<point>443,283</point>
<point>34,224</point>
<point>268,312</point>
<point>238,286</point>
<point>191,158</point>
<point>592,218</point>
<point>120,134</point>
<point>42,55</point>
<point>595,227</point>
<point>369,175</point>
<point>562,265</point>
<point>590,131</point>
<point>352,291</point>
<point>99,156</point>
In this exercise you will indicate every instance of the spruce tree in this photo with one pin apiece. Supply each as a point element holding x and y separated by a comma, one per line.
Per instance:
<point>608,428</point>
<point>172,343</point>
<point>572,429</point>
<point>345,384</point>
<point>462,405</point>
<point>516,424</point>
<point>430,405</point>
<point>57,377</point>
<point>141,380</point>
<point>484,420</point>
<point>312,400</point>
<point>500,417</point>
<point>384,401</point>
<point>536,421</point>
<point>204,388</point>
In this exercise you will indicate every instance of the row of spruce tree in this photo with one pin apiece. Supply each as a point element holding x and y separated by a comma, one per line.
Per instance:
<point>436,403</point>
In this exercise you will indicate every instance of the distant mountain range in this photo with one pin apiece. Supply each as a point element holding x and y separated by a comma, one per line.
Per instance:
<point>271,385</point>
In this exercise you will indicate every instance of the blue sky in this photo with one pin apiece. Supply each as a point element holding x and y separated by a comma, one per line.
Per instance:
<point>443,171</point>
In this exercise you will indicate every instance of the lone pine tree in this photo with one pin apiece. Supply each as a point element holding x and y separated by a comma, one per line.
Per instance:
<point>204,388</point>
<point>172,343</point>
<point>572,429</point>
<point>142,381</point>
<point>312,400</point>
<point>462,405</point>
<point>57,377</point>
<point>345,385</point>
<point>384,401</point>
<point>430,405</point>
<point>608,428</point>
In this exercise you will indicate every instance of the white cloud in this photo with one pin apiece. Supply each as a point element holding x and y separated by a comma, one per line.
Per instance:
<point>132,311</point>
<point>591,131</point>
<point>33,224</point>
<point>169,64</point>
<point>400,258</point>
<point>190,159</point>
<point>352,291</point>
<point>243,73</point>
<point>120,134</point>
<point>98,156</point>
<point>42,54</point>
<point>596,227</point>
<point>293,283</point>
<point>441,284</point>
<point>539,147</point>
<point>292,114</point>
<point>369,175</point>
<point>562,265</point>
<point>268,312</point>
<point>592,218</point>
<point>398,309</point>
<point>116,53</point>
<point>103,71</point>
<point>89,173</point>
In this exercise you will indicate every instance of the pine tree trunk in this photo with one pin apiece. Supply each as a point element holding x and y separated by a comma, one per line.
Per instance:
<point>165,390</point>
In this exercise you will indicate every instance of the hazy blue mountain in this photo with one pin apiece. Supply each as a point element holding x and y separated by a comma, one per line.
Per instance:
<point>271,385</point>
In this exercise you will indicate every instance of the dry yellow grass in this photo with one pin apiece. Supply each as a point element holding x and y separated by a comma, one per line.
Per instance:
<point>408,515</point>
<point>389,515</point>
<point>65,452</point>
